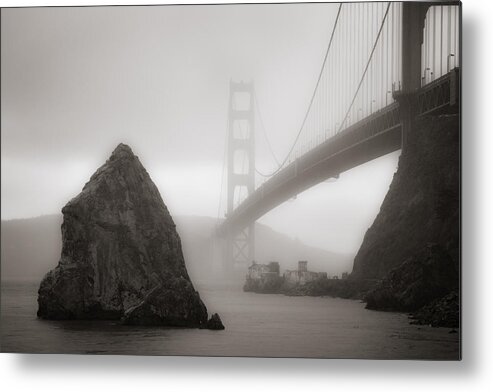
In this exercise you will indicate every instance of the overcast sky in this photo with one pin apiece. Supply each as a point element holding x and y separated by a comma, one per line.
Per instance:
<point>78,81</point>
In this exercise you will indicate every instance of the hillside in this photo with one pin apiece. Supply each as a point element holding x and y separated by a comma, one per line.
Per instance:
<point>31,247</point>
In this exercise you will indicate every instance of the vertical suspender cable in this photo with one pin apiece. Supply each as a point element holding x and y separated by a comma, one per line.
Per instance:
<point>392,55</point>
<point>398,47</point>
<point>386,55</point>
<point>366,31</point>
<point>366,68</point>
<point>371,78</point>
<point>456,41</point>
<point>449,38</point>
<point>262,126</point>
<point>433,70</point>
<point>427,45</point>
<point>382,70</point>
<point>441,40</point>
<point>387,48</point>
<point>311,100</point>
<point>345,73</point>
<point>351,47</point>
<point>360,47</point>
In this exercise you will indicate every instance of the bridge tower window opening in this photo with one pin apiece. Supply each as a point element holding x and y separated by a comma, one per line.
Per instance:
<point>241,163</point>
<point>241,129</point>
<point>241,101</point>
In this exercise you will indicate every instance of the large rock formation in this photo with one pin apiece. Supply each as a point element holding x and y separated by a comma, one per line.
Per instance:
<point>413,246</point>
<point>422,205</point>
<point>121,255</point>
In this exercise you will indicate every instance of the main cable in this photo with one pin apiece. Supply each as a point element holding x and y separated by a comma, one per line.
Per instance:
<point>311,101</point>
<point>366,68</point>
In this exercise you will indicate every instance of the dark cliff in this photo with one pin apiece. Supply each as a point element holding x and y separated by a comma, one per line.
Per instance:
<point>121,255</point>
<point>422,204</point>
<point>413,246</point>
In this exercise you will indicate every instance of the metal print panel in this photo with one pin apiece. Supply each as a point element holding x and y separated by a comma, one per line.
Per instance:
<point>266,180</point>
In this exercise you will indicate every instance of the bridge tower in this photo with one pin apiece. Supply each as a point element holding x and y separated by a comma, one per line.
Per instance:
<point>413,23</point>
<point>240,242</point>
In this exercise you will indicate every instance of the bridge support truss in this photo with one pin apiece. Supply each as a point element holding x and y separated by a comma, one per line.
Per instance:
<point>240,244</point>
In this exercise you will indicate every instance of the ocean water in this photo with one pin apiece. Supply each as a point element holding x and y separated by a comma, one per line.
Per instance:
<point>256,325</point>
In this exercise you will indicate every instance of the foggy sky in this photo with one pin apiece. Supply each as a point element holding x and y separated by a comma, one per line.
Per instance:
<point>78,81</point>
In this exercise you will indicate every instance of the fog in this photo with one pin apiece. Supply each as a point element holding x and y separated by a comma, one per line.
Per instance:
<point>78,81</point>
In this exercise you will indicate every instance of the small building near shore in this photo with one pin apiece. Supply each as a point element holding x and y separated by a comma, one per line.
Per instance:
<point>301,276</point>
<point>263,278</point>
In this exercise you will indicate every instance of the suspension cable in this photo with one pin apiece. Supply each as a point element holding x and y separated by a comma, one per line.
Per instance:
<point>366,68</point>
<point>223,170</point>
<point>311,100</point>
<point>264,132</point>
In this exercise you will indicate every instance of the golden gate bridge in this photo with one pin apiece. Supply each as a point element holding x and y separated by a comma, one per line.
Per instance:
<point>386,64</point>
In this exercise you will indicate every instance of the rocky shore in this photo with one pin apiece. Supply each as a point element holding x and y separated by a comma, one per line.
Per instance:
<point>340,288</point>
<point>421,279</point>
<point>443,312</point>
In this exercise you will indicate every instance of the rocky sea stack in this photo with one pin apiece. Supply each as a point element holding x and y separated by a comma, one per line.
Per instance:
<point>121,254</point>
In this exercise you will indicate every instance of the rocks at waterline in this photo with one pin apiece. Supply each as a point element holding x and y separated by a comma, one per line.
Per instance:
<point>214,323</point>
<point>423,278</point>
<point>121,254</point>
<point>442,312</point>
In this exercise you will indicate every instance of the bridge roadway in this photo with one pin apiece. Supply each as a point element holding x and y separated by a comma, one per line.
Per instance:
<point>374,136</point>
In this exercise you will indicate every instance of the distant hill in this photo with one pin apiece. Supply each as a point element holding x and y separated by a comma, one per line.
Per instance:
<point>31,247</point>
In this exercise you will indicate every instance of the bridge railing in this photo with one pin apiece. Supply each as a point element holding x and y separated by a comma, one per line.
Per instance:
<point>440,94</point>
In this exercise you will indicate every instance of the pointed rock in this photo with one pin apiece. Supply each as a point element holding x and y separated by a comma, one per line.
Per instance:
<point>215,322</point>
<point>121,254</point>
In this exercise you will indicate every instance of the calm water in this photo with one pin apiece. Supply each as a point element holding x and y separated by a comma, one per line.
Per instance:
<point>256,325</point>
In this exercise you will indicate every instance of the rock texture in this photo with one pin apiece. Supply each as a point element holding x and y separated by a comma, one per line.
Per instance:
<point>422,205</point>
<point>413,246</point>
<point>443,312</point>
<point>425,277</point>
<point>121,255</point>
<point>215,323</point>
